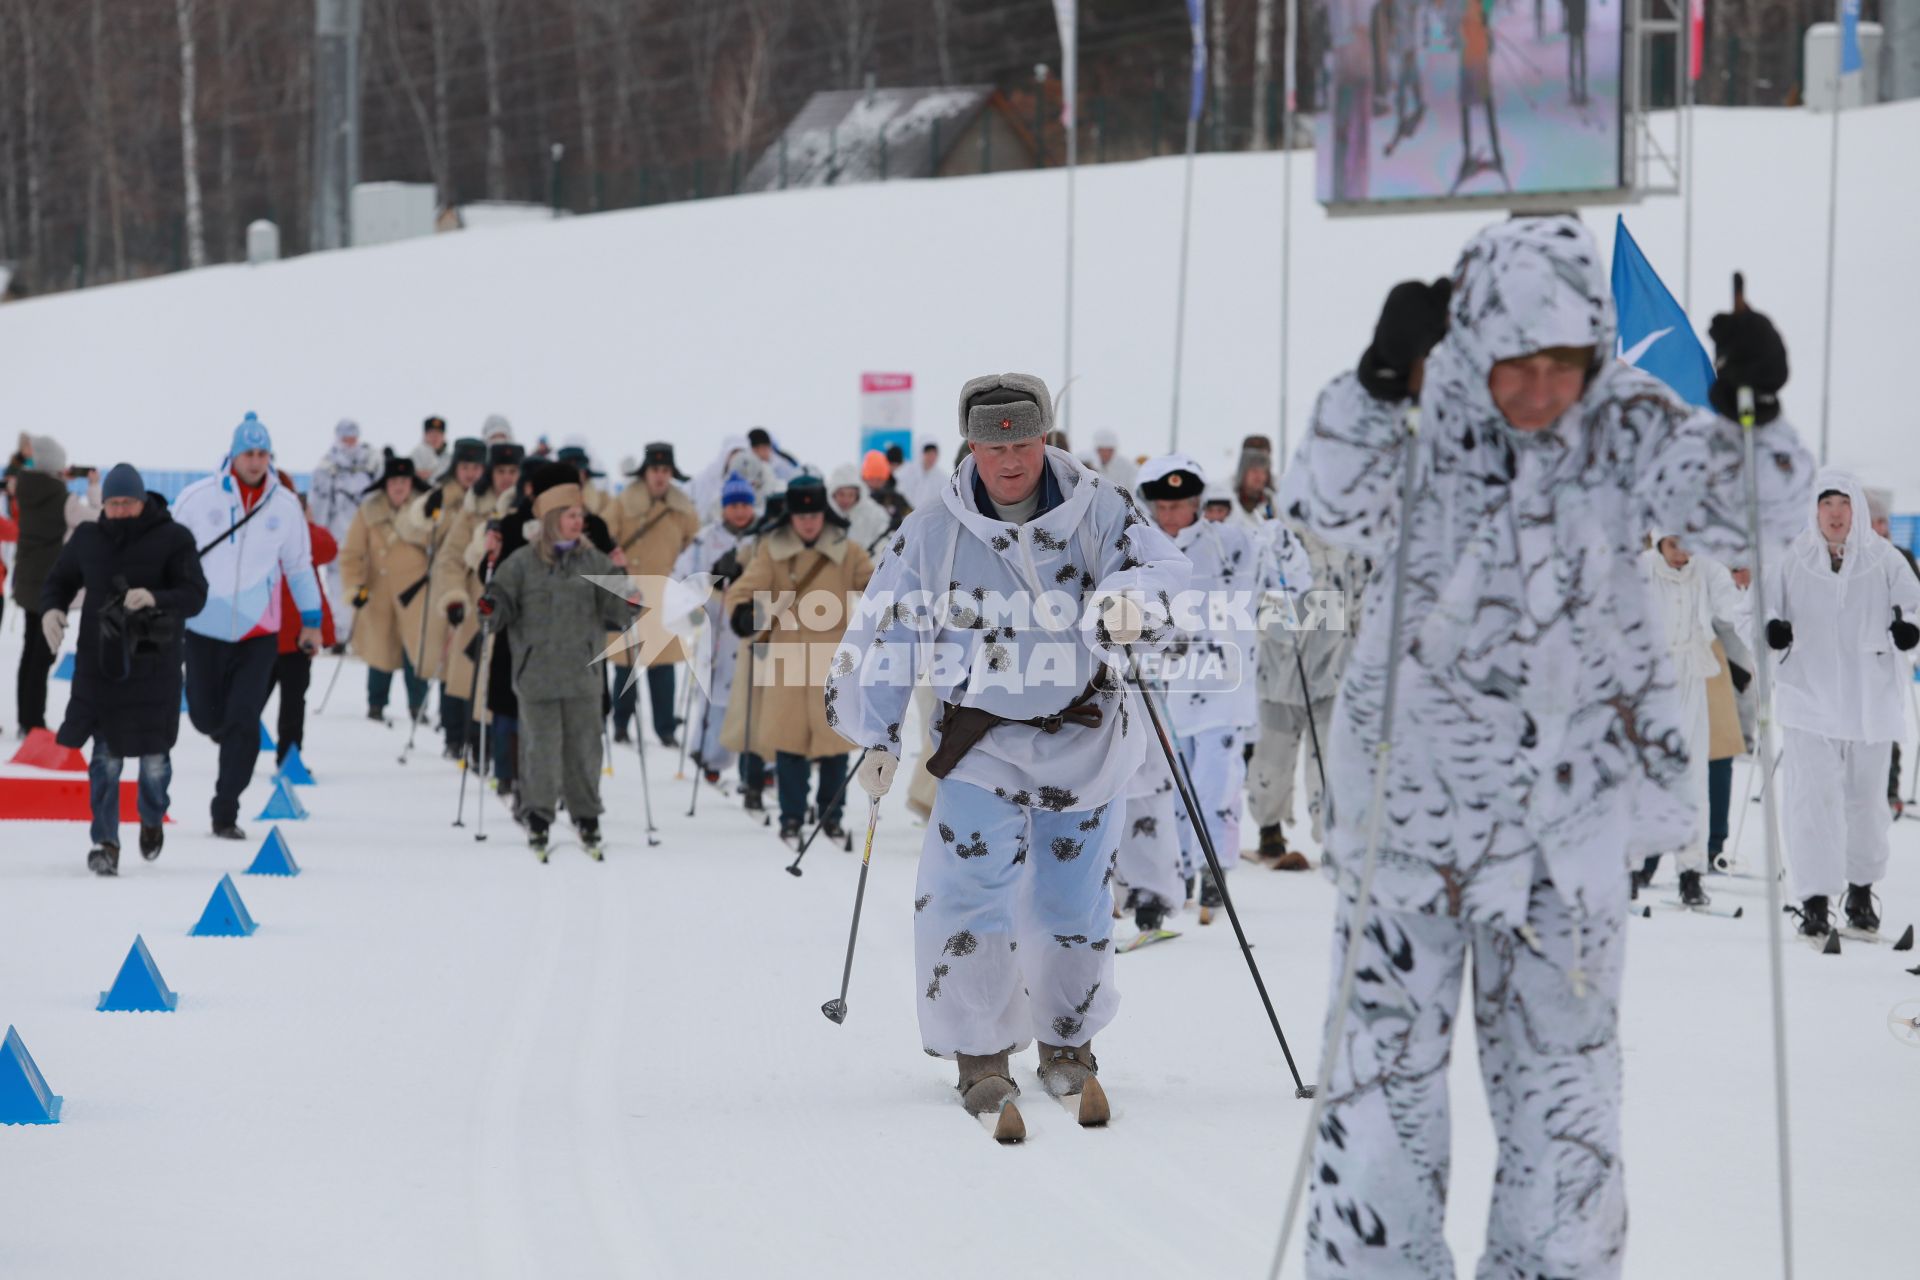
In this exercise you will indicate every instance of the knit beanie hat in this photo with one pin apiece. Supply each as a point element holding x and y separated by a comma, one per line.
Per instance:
<point>123,482</point>
<point>875,469</point>
<point>736,490</point>
<point>250,434</point>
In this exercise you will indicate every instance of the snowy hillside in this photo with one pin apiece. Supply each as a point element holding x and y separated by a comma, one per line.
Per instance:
<point>687,321</point>
<point>439,1058</point>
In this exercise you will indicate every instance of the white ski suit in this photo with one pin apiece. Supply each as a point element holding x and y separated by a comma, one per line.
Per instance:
<point>1839,694</point>
<point>1014,909</point>
<point>334,494</point>
<point>1532,693</point>
<point>867,522</point>
<point>719,650</point>
<point>1295,719</point>
<point>1687,604</point>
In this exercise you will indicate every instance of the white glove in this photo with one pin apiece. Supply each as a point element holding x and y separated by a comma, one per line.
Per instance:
<point>139,598</point>
<point>53,625</point>
<point>1124,618</point>
<point>875,774</point>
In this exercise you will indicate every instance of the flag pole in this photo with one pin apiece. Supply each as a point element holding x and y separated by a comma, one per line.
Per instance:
<point>1833,211</point>
<point>1196,12</point>
<point>1286,214</point>
<point>1067,12</point>
<point>1689,52</point>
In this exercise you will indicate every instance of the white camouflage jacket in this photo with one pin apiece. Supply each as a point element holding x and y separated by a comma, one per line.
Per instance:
<point>1534,686</point>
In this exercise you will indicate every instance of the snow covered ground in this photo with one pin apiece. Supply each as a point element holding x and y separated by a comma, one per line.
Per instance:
<point>688,321</point>
<point>439,1058</point>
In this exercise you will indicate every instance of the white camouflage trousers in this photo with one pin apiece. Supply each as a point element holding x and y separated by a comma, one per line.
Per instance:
<point>1837,816</point>
<point>1013,924</point>
<point>1150,860</point>
<point>1219,778</point>
<point>1285,737</point>
<point>1546,1010</point>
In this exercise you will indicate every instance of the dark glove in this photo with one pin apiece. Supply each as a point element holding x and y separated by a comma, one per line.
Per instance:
<point>1779,634</point>
<point>1905,634</point>
<point>1412,321</point>
<point>360,598</point>
<point>1740,676</point>
<point>456,613</point>
<point>1747,352</point>
<point>728,567</point>
<point>742,621</point>
<point>486,606</point>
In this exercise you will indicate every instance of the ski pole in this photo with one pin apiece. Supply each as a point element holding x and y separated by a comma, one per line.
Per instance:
<point>1184,782</point>
<point>640,745</point>
<point>836,1010</point>
<point>680,719</point>
<point>473,695</point>
<point>1913,792</point>
<point>1356,928</point>
<point>794,870</point>
<point>339,661</point>
<point>426,616</point>
<point>706,713</point>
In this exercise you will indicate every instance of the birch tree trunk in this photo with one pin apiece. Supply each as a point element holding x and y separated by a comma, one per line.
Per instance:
<point>1262,70</point>
<point>189,147</point>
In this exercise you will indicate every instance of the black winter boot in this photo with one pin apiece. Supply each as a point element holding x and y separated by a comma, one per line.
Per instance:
<point>229,831</point>
<point>1691,894</point>
<point>1814,920</point>
<point>1150,915</point>
<point>1859,908</point>
<point>104,860</point>
<point>152,840</point>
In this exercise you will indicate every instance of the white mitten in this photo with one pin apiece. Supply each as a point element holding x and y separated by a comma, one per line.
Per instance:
<point>876,772</point>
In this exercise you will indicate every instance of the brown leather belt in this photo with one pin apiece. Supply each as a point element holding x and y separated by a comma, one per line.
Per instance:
<point>961,727</point>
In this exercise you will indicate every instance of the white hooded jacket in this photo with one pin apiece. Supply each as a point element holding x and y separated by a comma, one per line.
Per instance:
<point>1842,676</point>
<point>1534,687</point>
<point>867,522</point>
<point>940,608</point>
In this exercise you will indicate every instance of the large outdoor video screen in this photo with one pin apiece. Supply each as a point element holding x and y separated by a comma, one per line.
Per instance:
<point>1431,99</point>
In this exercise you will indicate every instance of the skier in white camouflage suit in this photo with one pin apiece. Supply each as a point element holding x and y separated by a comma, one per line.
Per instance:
<point>1210,682</point>
<point>1533,695</point>
<point>1012,593</point>
<point>722,549</point>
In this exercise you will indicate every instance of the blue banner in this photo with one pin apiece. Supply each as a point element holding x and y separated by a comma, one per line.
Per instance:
<point>1849,36</point>
<point>1655,334</point>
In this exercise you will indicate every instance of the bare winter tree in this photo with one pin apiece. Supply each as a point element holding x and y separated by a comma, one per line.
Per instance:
<point>850,25</point>
<point>745,82</point>
<point>1262,71</point>
<point>490,19</point>
<point>189,146</point>
<point>943,38</point>
<point>1217,67</point>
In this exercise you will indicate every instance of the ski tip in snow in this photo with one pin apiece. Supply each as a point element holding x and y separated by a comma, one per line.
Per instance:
<point>1009,1127</point>
<point>1646,913</point>
<point>1906,940</point>
<point>1833,944</point>
<point>1094,1111</point>
<point>1148,938</point>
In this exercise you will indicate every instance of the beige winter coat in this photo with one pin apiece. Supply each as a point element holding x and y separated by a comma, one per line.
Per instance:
<point>790,712</point>
<point>456,580</point>
<point>376,557</point>
<point>427,526</point>
<point>652,532</point>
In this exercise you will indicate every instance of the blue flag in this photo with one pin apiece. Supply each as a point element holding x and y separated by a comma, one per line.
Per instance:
<point>1849,36</point>
<point>1197,17</point>
<point>1655,334</point>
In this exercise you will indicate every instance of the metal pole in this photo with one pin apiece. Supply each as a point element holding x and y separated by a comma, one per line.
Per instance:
<point>1286,211</point>
<point>1686,180</point>
<point>1180,306</point>
<point>1833,211</point>
<point>1073,161</point>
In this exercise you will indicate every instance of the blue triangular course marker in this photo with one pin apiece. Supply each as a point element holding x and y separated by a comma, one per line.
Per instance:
<point>274,858</point>
<point>226,916</point>
<point>266,739</point>
<point>282,804</point>
<point>294,769</point>
<point>139,988</point>
<point>24,1096</point>
<point>65,670</point>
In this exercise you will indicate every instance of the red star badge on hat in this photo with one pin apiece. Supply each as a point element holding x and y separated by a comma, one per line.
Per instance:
<point>1006,424</point>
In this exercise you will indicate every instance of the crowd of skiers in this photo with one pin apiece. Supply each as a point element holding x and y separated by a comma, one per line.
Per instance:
<point>1109,660</point>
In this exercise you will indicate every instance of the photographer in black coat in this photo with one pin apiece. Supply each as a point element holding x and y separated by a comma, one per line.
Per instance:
<point>141,574</point>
